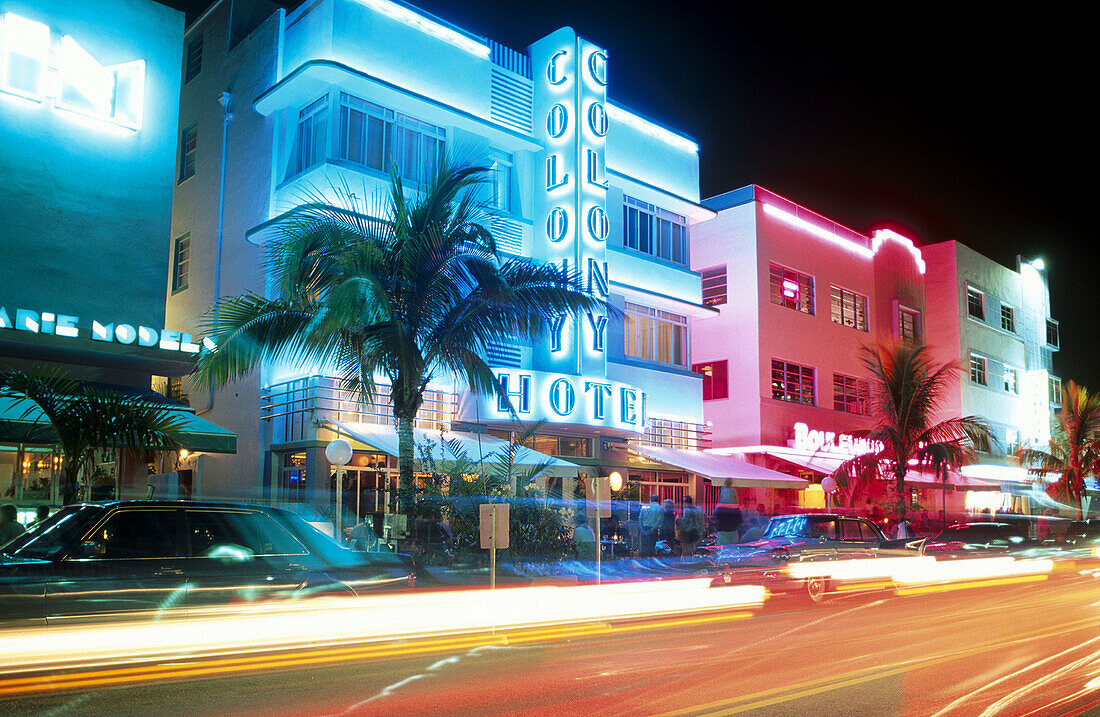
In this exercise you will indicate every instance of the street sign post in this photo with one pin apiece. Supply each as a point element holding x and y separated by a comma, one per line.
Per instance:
<point>599,489</point>
<point>494,533</point>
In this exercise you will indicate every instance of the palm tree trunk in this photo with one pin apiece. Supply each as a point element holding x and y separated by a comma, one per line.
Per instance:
<point>406,448</point>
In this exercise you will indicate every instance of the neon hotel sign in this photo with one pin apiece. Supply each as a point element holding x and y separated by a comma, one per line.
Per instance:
<point>830,442</point>
<point>35,67</point>
<point>67,326</point>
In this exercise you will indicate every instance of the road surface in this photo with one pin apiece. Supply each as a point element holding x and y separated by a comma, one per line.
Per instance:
<point>1024,648</point>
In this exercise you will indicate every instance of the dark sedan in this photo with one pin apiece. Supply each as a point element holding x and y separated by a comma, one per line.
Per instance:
<point>800,538</point>
<point>147,558</point>
<point>980,539</point>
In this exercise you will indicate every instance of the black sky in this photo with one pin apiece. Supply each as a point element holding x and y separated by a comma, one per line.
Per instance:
<point>943,123</point>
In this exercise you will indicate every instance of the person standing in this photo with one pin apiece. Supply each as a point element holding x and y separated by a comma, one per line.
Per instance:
<point>693,524</point>
<point>667,532</point>
<point>10,527</point>
<point>584,539</point>
<point>727,523</point>
<point>650,519</point>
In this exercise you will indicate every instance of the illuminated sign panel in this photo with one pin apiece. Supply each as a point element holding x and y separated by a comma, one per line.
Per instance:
<point>831,442</point>
<point>36,67</point>
<point>560,398</point>
<point>1036,405</point>
<point>46,322</point>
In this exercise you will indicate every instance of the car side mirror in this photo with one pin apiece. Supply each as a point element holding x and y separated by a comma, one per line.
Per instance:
<point>93,548</point>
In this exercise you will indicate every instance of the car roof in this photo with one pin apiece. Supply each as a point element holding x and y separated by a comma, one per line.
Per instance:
<point>173,504</point>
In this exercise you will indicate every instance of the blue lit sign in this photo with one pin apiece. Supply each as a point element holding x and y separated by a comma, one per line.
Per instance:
<point>36,68</point>
<point>46,322</point>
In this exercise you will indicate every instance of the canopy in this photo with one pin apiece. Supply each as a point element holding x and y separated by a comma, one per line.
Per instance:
<point>476,447</point>
<point>719,469</point>
<point>21,421</point>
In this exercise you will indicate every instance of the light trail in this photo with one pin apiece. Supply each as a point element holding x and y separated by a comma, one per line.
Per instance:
<point>321,622</point>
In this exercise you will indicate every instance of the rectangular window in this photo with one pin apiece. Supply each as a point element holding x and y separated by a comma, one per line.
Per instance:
<point>850,394</point>
<point>792,289</point>
<point>1008,318</point>
<point>908,324</point>
<point>1012,380</point>
<point>194,60</point>
<point>574,447</point>
<point>849,309</point>
<point>1052,333</point>
<point>979,370</point>
<point>975,303</point>
<point>501,186</point>
<point>379,138</point>
<point>655,335</point>
<point>654,231</point>
<point>1055,390</point>
<point>188,145</point>
<point>311,140</point>
<point>791,382</point>
<point>181,262</point>
<point>715,379</point>
<point>714,285</point>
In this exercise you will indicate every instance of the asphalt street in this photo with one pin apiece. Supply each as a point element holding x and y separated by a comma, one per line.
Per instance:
<point>1023,648</point>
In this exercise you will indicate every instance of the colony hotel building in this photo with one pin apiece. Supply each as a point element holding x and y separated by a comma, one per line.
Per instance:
<point>89,98</point>
<point>279,108</point>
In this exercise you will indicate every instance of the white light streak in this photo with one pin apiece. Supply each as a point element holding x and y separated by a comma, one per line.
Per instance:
<point>618,114</point>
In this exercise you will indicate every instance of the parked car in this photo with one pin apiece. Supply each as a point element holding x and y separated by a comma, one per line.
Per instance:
<point>800,538</point>
<point>980,539</point>
<point>149,558</point>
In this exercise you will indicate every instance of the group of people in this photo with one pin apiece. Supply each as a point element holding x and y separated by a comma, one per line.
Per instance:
<point>681,531</point>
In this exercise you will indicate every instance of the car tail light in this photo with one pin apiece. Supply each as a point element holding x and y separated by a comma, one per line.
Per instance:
<point>781,554</point>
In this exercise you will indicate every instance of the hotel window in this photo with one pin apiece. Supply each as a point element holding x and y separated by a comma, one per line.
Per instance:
<point>714,285</point>
<point>654,231</point>
<point>1055,393</point>
<point>715,379</point>
<point>975,303</point>
<point>311,140</point>
<point>655,335</point>
<point>375,137</point>
<point>501,186</point>
<point>850,394</point>
<point>1012,380</point>
<point>908,324</point>
<point>792,289</point>
<point>188,145</point>
<point>849,309</point>
<point>979,370</point>
<point>1008,318</point>
<point>791,382</point>
<point>194,60</point>
<point>181,262</point>
<point>1052,333</point>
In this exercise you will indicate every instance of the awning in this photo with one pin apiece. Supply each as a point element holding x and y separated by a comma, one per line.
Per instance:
<point>475,447</point>
<point>954,479</point>
<point>21,421</point>
<point>719,469</point>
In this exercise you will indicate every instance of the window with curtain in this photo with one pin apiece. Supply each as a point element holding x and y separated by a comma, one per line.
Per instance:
<point>655,335</point>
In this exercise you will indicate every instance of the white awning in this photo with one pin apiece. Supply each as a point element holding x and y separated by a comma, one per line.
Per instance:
<point>476,448</point>
<point>719,469</point>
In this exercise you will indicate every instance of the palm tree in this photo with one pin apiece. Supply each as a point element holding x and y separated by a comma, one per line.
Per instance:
<point>411,290</point>
<point>1074,451</point>
<point>85,419</point>
<point>907,388</point>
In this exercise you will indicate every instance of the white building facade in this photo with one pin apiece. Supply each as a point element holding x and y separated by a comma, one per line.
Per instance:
<point>293,105</point>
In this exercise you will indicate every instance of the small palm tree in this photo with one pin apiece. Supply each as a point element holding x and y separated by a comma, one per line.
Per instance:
<point>1074,451</point>
<point>85,420</point>
<point>906,391</point>
<point>411,290</point>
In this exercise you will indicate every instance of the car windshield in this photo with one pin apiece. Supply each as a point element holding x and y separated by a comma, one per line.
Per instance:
<point>800,526</point>
<point>56,532</point>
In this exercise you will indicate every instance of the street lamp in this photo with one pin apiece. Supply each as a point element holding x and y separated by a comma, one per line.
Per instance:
<point>338,453</point>
<point>828,484</point>
<point>616,480</point>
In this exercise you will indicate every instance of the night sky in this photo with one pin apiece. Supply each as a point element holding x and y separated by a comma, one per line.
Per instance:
<point>941,125</point>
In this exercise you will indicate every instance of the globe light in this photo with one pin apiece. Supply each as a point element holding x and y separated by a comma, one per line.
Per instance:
<point>338,452</point>
<point>828,484</point>
<point>616,479</point>
<point>1039,264</point>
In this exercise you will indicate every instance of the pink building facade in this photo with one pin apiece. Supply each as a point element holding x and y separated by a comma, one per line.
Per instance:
<point>798,296</point>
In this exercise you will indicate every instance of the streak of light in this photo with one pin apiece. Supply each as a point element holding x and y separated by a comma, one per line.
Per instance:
<point>323,621</point>
<point>966,585</point>
<point>919,569</point>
